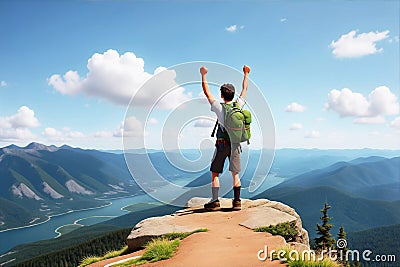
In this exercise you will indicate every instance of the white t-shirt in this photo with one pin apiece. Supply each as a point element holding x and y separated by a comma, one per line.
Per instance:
<point>217,108</point>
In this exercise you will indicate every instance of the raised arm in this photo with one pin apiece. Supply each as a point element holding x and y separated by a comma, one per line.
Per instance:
<point>204,84</point>
<point>246,71</point>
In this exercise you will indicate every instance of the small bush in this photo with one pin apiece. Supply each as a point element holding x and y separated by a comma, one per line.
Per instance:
<point>286,230</point>
<point>89,260</point>
<point>172,236</point>
<point>115,253</point>
<point>108,255</point>
<point>156,250</point>
<point>160,249</point>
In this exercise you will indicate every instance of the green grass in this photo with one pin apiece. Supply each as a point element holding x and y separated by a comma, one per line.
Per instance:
<point>289,257</point>
<point>323,263</point>
<point>181,236</point>
<point>161,248</point>
<point>157,249</point>
<point>286,229</point>
<point>111,254</point>
<point>89,260</point>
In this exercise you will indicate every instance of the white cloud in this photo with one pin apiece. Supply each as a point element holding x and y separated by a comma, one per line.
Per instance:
<point>131,127</point>
<point>204,122</point>
<point>117,78</point>
<point>296,126</point>
<point>75,134</point>
<point>351,45</point>
<point>381,102</point>
<point>103,134</point>
<point>164,81</point>
<point>370,120</point>
<point>3,84</point>
<point>347,103</point>
<point>295,107</point>
<point>283,20</point>
<point>17,126</point>
<point>24,118</point>
<point>202,98</point>
<point>234,28</point>
<point>69,84</point>
<point>395,123</point>
<point>18,134</point>
<point>231,28</point>
<point>312,134</point>
<point>53,134</point>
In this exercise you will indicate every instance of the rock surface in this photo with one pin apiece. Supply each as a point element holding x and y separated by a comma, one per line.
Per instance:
<point>254,213</point>
<point>153,227</point>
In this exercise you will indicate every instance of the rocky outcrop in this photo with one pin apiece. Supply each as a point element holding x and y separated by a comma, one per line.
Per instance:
<point>153,227</point>
<point>254,214</point>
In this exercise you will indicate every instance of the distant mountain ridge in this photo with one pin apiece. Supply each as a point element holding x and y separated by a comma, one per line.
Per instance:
<point>38,181</point>
<point>356,177</point>
<point>364,193</point>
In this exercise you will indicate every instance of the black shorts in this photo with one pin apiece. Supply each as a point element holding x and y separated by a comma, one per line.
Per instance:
<point>223,150</point>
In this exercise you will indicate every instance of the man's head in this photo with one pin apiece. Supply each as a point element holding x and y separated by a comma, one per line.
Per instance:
<point>227,91</point>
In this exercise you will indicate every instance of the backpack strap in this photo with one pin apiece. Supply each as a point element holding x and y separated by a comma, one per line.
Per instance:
<point>215,127</point>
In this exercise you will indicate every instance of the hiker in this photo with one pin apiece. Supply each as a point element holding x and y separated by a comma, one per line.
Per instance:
<point>223,147</point>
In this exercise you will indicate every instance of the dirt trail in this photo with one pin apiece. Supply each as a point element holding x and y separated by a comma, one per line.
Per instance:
<point>225,244</point>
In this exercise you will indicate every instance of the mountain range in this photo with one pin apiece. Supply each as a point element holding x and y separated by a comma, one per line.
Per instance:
<point>38,181</point>
<point>364,193</point>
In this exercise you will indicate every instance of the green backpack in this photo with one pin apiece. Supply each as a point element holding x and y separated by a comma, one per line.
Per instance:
<point>237,124</point>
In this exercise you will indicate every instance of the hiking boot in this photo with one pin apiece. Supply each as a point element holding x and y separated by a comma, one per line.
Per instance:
<point>212,205</point>
<point>236,204</point>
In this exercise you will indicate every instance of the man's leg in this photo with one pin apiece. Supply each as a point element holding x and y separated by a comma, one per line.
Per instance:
<point>217,166</point>
<point>236,179</point>
<point>234,167</point>
<point>214,203</point>
<point>214,185</point>
<point>236,186</point>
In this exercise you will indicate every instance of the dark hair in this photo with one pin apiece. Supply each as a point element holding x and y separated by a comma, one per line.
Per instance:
<point>227,94</point>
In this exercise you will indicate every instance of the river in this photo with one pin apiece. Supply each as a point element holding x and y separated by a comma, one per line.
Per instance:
<point>47,230</point>
<point>57,224</point>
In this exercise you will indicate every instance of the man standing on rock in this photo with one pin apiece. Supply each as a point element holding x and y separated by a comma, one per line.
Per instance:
<point>223,147</point>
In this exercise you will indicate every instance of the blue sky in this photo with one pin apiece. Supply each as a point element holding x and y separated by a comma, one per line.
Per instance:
<point>329,71</point>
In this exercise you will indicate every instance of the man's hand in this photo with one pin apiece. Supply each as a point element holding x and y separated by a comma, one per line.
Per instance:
<point>204,84</point>
<point>246,69</point>
<point>203,70</point>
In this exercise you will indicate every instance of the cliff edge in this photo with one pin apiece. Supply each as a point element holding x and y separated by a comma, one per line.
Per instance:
<point>230,239</point>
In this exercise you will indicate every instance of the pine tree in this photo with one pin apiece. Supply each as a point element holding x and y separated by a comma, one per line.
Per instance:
<point>341,247</point>
<point>325,240</point>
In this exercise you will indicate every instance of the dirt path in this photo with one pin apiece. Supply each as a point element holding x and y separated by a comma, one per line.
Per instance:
<point>225,244</point>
